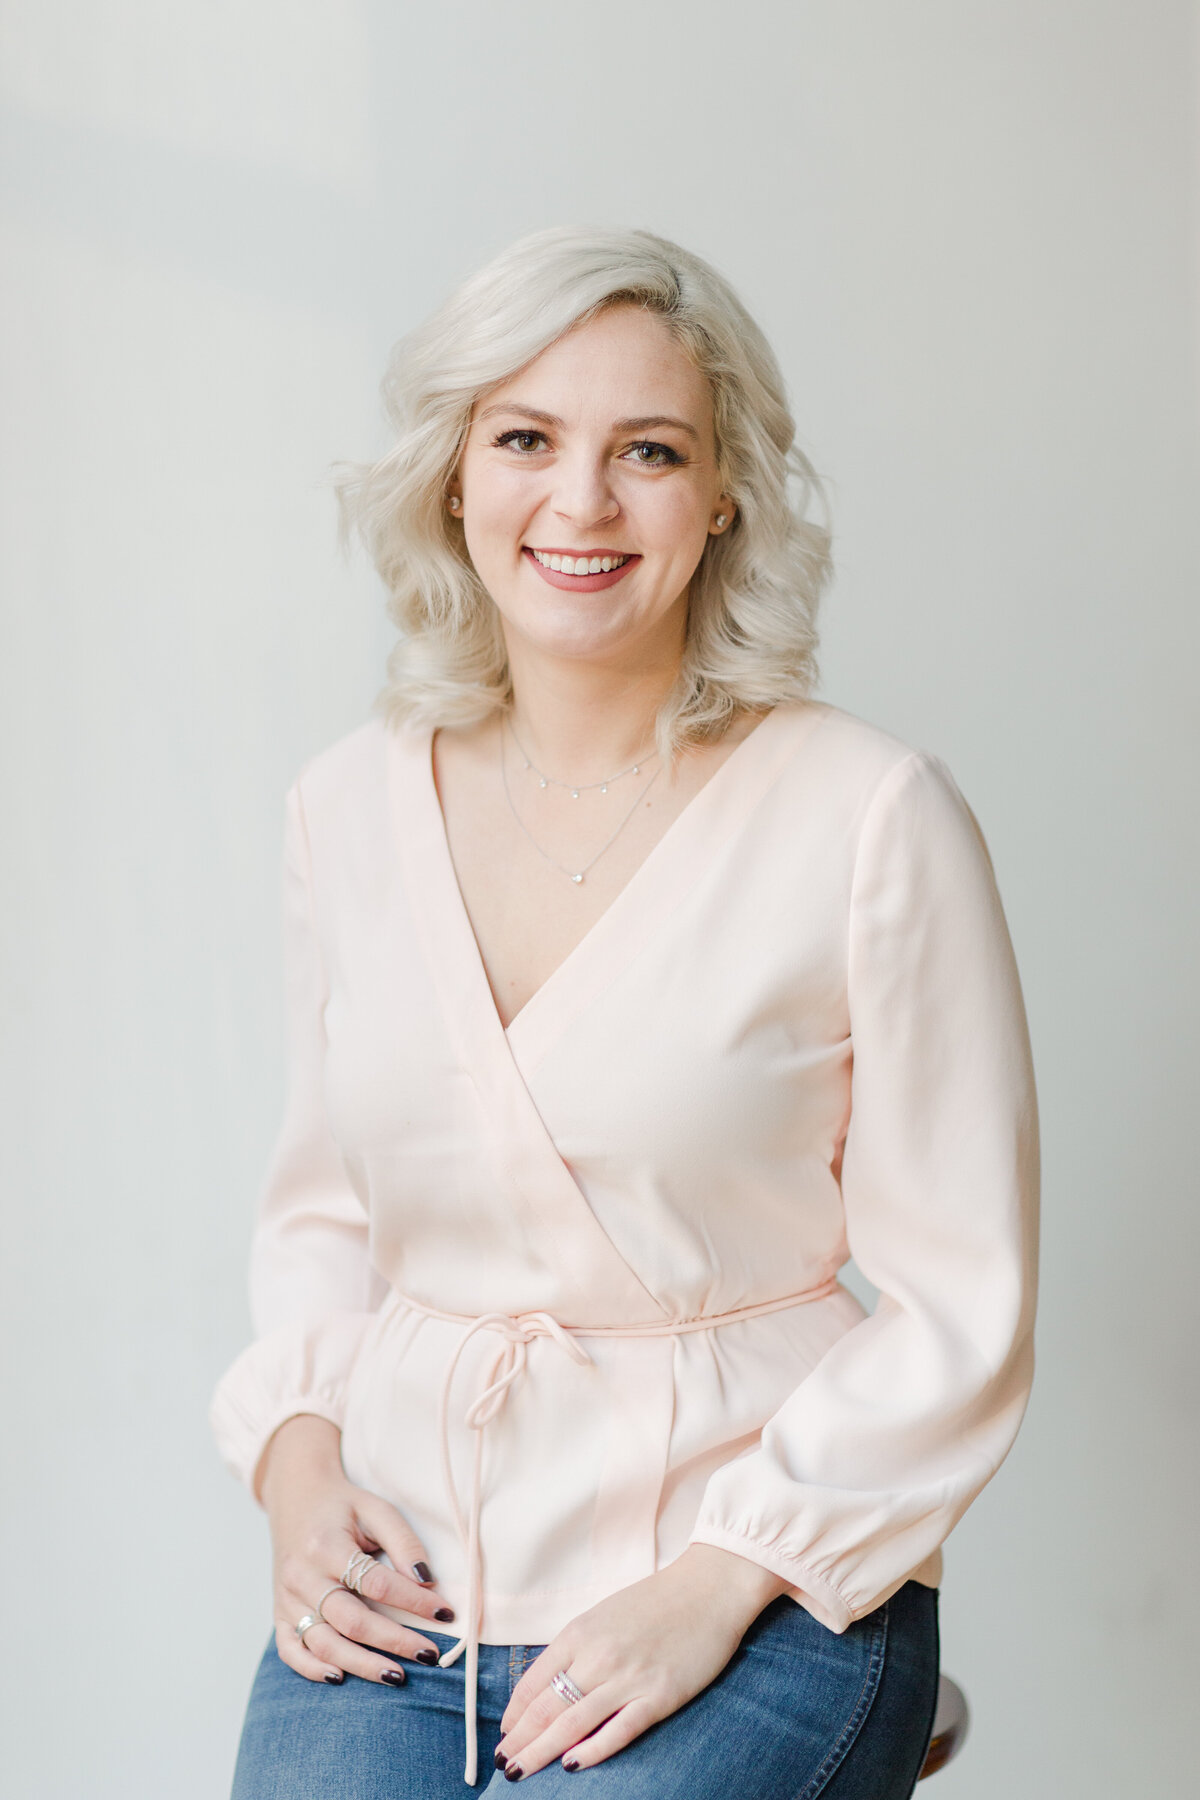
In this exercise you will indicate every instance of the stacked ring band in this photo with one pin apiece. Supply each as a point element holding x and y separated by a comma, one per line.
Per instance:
<point>562,1684</point>
<point>336,1587</point>
<point>356,1568</point>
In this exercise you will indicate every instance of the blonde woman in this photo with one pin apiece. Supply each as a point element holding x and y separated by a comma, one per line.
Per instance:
<point>632,990</point>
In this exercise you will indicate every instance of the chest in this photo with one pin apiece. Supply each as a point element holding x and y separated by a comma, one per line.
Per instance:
<point>518,847</point>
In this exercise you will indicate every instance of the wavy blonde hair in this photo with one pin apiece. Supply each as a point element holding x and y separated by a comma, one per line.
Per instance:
<point>751,629</point>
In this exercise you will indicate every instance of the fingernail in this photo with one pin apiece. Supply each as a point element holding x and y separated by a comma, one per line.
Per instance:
<point>335,1678</point>
<point>500,1759</point>
<point>444,1612</point>
<point>570,1762</point>
<point>513,1772</point>
<point>427,1656</point>
<point>394,1677</point>
<point>421,1571</point>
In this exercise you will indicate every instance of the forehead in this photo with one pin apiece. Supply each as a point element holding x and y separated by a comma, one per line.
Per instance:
<point>625,361</point>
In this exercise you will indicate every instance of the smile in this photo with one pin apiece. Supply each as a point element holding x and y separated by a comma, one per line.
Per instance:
<point>579,565</point>
<point>580,574</point>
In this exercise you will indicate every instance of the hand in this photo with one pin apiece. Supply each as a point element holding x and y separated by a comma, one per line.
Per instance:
<point>318,1520</point>
<point>638,1656</point>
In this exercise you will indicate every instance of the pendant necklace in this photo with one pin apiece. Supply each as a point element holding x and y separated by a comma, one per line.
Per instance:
<point>575,875</point>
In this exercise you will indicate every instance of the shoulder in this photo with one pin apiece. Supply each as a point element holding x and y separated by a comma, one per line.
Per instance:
<point>873,791</point>
<point>354,772</point>
<point>343,794</point>
<point>853,738</point>
<point>854,757</point>
<point>358,757</point>
<point>340,812</point>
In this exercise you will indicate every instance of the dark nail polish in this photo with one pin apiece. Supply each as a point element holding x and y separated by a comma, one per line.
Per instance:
<point>513,1772</point>
<point>500,1759</point>
<point>444,1612</point>
<point>335,1679</point>
<point>427,1656</point>
<point>421,1571</point>
<point>394,1677</point>
<point>570,1763</point>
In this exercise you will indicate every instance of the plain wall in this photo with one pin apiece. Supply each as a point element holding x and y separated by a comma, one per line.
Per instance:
<point>971,232</point>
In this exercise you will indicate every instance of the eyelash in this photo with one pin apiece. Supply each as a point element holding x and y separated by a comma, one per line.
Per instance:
<point>673,458</point>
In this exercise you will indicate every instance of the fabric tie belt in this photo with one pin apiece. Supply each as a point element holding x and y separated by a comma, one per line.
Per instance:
<point>518,1331</point>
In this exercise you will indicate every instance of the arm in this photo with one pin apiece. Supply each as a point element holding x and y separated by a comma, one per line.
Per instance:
<point>277,1412</point>
<point>872,1460</point>
<point>312,1288</point>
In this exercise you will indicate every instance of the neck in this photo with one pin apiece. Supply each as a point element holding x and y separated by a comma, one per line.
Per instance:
<point>581,721</point>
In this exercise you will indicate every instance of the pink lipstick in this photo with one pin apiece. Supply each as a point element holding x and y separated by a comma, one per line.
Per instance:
<point>581,584</point>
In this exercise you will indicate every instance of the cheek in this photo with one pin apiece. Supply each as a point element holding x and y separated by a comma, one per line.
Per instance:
<point>500,492</point>
<point>674,519</point>
<point>496,512</point>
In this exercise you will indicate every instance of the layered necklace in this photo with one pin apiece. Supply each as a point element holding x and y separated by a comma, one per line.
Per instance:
<point>574,788</point>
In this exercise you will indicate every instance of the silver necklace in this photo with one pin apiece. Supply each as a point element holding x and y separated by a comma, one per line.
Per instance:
<point>574,788</point>
<point>576,875</point>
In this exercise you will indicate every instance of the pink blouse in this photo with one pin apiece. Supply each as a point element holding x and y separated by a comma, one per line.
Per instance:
<point>504,1262</point>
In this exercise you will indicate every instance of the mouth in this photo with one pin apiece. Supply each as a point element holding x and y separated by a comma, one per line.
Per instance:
<point>584,573</point>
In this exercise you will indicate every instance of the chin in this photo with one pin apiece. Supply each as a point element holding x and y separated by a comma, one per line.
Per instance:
<point>572,635</point>
<point>577,646</point>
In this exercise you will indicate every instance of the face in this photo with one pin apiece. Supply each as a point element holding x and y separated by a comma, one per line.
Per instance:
<point>600,449</point>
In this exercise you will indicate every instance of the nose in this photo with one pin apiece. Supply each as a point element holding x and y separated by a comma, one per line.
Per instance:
<point>584,493</point>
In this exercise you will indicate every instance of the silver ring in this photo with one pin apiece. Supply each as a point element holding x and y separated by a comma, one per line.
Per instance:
<point>355,1569</point>
<point>306,1624</point>
<point>562,1684</point>
<point>335,1587</point>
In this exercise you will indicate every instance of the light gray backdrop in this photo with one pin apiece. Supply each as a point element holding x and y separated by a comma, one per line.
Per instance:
<point>971,231</point>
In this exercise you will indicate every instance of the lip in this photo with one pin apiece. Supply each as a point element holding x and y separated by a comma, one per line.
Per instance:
<point>580,584</point>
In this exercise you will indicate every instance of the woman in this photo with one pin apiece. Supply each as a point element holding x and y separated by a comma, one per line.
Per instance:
<point>632,990</point>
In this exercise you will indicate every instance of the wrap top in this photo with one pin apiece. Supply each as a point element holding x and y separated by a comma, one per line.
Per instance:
<point>569,1290</point>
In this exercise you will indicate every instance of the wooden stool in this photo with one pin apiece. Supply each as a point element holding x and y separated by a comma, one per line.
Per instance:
<point>950,1722</point>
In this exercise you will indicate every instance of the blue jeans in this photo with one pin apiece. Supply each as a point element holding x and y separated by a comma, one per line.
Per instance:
<point>799,1711</point>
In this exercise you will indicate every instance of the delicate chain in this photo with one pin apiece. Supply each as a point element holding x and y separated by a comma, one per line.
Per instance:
<point>576,875</point>
<point>575,788</point>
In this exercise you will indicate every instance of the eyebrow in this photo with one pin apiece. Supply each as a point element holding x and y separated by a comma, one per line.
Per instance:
<point>652,422</point>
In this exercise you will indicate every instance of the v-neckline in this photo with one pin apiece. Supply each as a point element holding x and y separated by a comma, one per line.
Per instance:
<point>653,888</point>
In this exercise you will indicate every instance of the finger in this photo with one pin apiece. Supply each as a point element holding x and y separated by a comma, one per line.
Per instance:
<point>332,1650</point>
<point>297,1656</point>
<point>537,1677</point>
<point>402,1584</point>
<point>390,1588</point>
<point>397,1537</point>
<point>621,1729</point>
<point>352,1618</point>
<point>551,1725</point>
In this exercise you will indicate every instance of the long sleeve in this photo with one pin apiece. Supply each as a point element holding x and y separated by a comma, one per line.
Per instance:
<point>864,1470</point>
<point>312,1288</point>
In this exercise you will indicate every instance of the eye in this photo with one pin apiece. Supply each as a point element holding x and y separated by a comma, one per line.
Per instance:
<point>658,456</point>
<point>524,442</point>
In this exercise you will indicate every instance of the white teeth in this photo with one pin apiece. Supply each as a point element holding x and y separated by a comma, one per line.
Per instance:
<point>580,565</point>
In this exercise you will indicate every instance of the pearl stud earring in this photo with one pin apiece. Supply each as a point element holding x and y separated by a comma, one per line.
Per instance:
<point>455,503</point>
<point>721,521</point>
